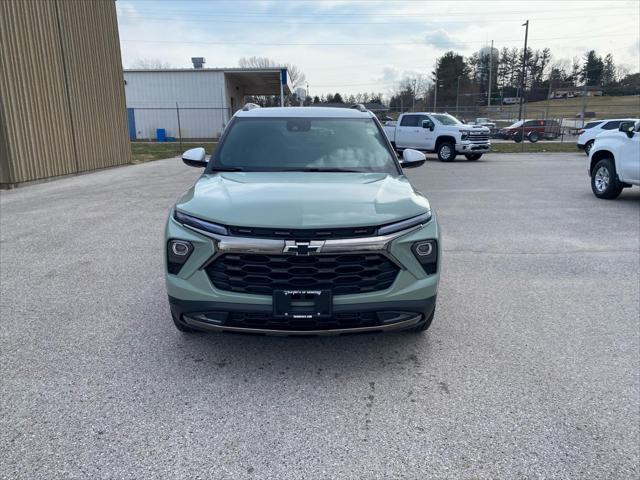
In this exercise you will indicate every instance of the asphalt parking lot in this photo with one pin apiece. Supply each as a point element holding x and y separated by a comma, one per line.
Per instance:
<point>530,369</point>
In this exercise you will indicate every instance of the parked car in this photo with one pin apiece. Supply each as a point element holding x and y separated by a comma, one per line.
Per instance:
<point>510,100</point>
<point>614,160</point>
<point>302,223</point>
<point>591,130</point>
<point>486,122</point>
<point>440,133</point>
<point>532,130</point>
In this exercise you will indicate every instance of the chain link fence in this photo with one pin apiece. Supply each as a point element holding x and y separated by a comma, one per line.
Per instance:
<point>176,124</point>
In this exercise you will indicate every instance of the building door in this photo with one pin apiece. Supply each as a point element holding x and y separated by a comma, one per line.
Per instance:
<point>132,123</point>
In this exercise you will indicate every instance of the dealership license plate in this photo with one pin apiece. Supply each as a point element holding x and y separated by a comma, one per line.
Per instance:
<point>302,304</point>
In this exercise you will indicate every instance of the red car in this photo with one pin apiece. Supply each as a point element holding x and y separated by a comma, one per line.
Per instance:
<point>533,130</point>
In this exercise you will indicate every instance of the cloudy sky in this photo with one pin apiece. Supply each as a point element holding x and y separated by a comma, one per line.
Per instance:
<point>356,46</point>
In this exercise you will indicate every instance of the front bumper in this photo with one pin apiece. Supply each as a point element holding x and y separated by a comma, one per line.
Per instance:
<point>579,146</point>
<point>469,147</point>
<point>222,317</point>
<point>412,294</point>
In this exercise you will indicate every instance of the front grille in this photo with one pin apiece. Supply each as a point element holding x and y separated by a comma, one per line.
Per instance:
<point>302,234</point>
<point>479,137</point>
<point>262,274</point>
<point>266,321</point>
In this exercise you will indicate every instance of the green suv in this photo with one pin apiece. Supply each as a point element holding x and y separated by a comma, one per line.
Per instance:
<point>302,224</point>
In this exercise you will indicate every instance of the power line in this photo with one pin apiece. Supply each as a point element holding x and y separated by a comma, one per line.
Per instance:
<point>429,13</point>
<point>363,44</point>
<point>200,19</point>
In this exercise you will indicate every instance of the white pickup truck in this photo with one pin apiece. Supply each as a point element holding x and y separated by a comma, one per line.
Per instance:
<point>440,133</point>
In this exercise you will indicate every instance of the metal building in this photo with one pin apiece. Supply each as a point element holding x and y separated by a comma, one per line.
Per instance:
<point>62,104</point>
<point>194,103</point>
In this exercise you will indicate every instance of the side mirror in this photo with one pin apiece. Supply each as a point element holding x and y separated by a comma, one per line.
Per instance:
<point>412,158</point>
<point>195,157</point>
<point>427,124</point>
<point>628,128</point>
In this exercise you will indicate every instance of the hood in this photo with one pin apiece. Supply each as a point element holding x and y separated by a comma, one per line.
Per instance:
<point>302,199</point>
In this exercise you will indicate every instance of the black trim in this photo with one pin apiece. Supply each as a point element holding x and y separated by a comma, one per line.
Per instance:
<point>180,307</point>
<point>223,311</point>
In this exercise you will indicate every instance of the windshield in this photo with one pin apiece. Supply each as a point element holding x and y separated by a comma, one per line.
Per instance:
<point>304,144</point>
<point>515,125</point>
<point>446,119</point>
<point>591,125</point>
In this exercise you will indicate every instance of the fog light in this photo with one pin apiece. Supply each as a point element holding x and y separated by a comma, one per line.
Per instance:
<point>178,252</point>
<point>426,252</point>
<point>424,249</point>
<point>181,249</point>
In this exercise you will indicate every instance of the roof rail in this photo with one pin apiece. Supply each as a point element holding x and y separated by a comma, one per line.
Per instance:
<point>360,107</point>
<point>249,106</point>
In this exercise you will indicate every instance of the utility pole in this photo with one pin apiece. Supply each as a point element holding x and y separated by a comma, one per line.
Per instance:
<point>490,72</point>
<point>458,96</point>
<point>584,95</point>
<point>413,107</point>
<point>524,68</point>
<point>435,93</point>
<point>546,115</point>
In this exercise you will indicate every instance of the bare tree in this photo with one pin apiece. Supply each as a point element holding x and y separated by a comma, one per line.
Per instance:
<point>150,64</point>
<point>296,75</point>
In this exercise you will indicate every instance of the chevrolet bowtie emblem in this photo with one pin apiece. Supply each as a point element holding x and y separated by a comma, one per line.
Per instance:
<point>302,248</point>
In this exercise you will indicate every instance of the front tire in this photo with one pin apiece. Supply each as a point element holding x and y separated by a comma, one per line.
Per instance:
<point>473,156</point>
<point>446,152</point>
<point>517,138</point>
<point>588,146</point>
<point>534,137</point>
<point>604,181</point>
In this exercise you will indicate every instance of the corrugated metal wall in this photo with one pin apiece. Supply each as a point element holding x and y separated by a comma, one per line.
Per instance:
<point>62,101</point>
<point>199,94</point>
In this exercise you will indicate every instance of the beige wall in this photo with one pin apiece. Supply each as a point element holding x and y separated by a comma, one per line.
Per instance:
<point>62,106</point>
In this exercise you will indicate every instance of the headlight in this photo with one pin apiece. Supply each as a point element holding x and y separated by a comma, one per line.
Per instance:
<point>404,224</point>
<point>178,252</point>
<point>465,134</point>
<point>426,251</point>
<point>199,223</point>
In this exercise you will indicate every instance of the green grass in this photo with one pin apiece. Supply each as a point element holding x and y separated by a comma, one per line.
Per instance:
<point>604,107</point>
<point>145,152</point>
<point>529,147</point>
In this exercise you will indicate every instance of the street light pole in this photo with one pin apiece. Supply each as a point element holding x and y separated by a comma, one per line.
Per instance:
<point>413,107</point>
<point>524,68</point>
<point>435,94</point>
<point>458,96</point>
<point>490,72</point>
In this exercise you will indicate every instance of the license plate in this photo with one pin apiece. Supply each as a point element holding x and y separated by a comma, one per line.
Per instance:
<point>302,304</point>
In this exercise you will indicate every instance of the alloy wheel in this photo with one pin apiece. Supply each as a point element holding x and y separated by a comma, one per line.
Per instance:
<point>601,180</point>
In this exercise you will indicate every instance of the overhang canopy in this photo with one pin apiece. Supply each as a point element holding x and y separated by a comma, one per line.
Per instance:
<point>259,81</point>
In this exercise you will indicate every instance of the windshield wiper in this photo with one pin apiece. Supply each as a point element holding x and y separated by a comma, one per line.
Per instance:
<point>227,169</point>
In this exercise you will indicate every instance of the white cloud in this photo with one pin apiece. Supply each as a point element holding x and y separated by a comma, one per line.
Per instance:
<point>401,38</point>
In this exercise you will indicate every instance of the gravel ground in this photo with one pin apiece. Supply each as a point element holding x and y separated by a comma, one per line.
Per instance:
<point>530,369</point>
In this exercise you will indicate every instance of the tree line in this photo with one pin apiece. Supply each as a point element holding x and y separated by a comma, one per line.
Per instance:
<point>466,81</point>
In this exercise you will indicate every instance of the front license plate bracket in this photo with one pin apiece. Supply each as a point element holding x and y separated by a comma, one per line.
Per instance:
<point>302,304</point>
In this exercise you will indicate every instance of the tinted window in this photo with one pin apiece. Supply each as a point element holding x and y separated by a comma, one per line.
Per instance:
<point>591,125</point>
<point>531,123</point>
<point>611,125</point>
<point>279,144</point>
<point>410,121</point>
<point>445,119</point>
